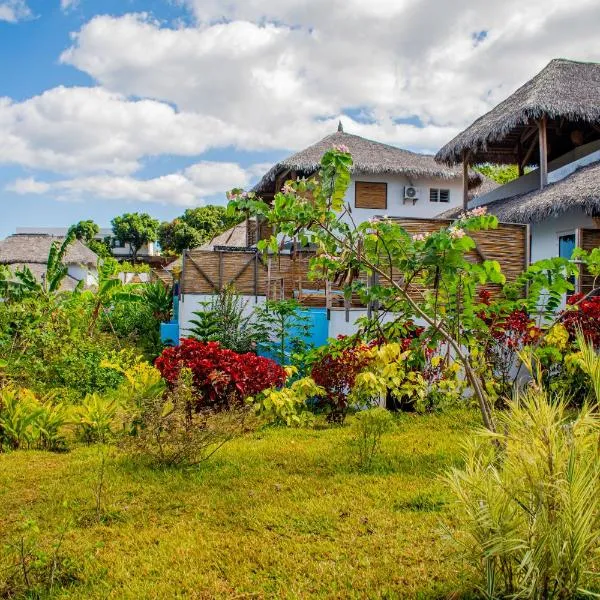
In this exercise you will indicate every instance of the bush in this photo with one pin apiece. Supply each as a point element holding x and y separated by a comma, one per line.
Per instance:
<point>529,499</point>
<point>368,428</point>
<point>27,421</point>
<point>335,370</point>
<point>582,315</point>
<point>221,377</point>
<point>225,320</point>
<point>288,405</point>
<point>171,432</point>
<point>95,419</point>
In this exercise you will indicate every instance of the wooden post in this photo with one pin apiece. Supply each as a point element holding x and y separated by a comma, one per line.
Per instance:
<point>220,270</point>
<point>465,180</point>
<point>543,137</point>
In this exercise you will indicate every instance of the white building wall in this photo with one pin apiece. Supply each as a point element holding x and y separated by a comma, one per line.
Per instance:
<point>82,273</point>
<point>190,303</point>
<point>396,207</point>
<point>544,235</point>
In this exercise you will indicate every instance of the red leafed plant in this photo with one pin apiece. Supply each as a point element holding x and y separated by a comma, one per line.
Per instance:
<point>336,371</point>
<point>221,376</point>
<point>583,314</point>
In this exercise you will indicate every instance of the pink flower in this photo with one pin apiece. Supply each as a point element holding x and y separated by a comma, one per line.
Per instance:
<point>456,233</point>
<point>420,237</point>
<point>287,188</point>
<point>341,148</point>
<point>479,211</point>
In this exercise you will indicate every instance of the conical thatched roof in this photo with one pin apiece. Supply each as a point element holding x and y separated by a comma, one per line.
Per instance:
<point>370,158</point>
<point>34,249</point>
<point>566,92</point>
<point>580,190</point>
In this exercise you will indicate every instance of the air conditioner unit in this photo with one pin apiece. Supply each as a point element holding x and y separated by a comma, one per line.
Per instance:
<point>411,193</point>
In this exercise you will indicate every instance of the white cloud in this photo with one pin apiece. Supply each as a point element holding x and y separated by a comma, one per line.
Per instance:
<point>189,187</point>
<point>273,63</point>
<point>14,10</point>
<point>273,75</point>
<point>68,4</point>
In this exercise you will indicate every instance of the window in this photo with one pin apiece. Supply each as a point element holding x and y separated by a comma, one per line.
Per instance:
<point>370,195</point>
<point>437,195</point>
<point>566,245</point>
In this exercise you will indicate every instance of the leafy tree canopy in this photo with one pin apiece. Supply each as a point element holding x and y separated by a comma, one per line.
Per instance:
<point>135,229</point>
<point>85,231</point>
<point>500,173</point>
<point>195,227</point>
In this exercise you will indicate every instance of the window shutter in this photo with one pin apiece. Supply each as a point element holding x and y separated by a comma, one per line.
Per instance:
<point>433,194</point>
<point>444,195</point>
<point>370,195</point>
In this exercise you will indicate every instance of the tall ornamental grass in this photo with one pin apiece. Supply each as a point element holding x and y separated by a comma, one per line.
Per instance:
<point>529,500</point>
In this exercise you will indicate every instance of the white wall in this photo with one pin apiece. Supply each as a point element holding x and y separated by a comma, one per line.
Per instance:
<point>82,273</point>
<point>189,303</point>
<point>544,235</point>
<point>422,208</point>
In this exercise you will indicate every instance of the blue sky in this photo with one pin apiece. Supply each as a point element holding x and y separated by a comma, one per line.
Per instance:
<point>110,106</point>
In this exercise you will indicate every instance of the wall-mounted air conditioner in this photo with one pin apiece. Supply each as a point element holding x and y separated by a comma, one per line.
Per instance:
<point>411,194</point>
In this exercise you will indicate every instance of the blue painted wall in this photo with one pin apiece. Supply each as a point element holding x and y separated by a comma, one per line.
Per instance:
<point>319,330</point>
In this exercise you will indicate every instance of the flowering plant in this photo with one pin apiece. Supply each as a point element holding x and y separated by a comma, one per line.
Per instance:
<point>220,376</point>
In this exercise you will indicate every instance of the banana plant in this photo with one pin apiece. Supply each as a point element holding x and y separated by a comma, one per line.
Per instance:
<point>110,290</point>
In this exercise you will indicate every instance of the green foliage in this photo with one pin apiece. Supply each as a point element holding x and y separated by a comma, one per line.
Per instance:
<point>500,173</point>
<point>288,405</point>
<point>589,361</point>
<point>85,231</point>
<point>128,267</point>
<point>171,433</point>
<point>195,227</point>
<point>95,418</point>
<point>530,500</point>
<point>368,428</point>
<point>158,297</point>
<point>30,422</point>
<point>287,329</point>
<point>135,229</point>
<point>33,568</point>
<point>225,319</point>
<point>428,277</point>
<point>100,247</point>
<point>176,236</point>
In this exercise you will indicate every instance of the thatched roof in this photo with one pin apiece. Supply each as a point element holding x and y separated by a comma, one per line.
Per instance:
<point>580,190</point>
<point>234,237</point>
<point>369,157</point>
<point>34,249</point>
<point>566,92</point>
<point>39,271</point>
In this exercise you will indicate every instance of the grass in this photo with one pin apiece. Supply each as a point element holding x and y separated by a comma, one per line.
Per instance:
<point>280,513</point>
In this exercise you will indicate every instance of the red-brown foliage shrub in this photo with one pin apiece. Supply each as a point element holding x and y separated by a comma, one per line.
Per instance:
<point>220,376</point>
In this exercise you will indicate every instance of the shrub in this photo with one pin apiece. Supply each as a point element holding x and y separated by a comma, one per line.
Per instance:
<point>368,428</point>
<point>582,314</point>
<point>95,419</point>
<point>221,377</point>
<point>31,422</point>
<point>225,319</point>
<point>172,432</point>
<point>335,371</point>
<point>288,405</point>
<point>529,499</point>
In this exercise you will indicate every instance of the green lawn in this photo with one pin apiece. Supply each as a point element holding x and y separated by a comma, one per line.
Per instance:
<point>280,513</point>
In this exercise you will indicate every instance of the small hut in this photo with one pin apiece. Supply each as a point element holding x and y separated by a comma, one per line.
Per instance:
<point>31,250</point>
